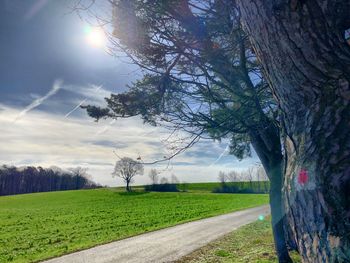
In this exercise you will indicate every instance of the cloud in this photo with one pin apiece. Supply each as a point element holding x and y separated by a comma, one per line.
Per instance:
<point>94,94</point>
<point>108,143</point>
<point>55,88</point>
<point>182,163</point>
<point>105,128</point>
<point>46,138</point>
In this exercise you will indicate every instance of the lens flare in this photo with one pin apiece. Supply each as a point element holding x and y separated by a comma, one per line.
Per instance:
<point>95,36</point>
<point>87,29</point>
<point>261,217</point>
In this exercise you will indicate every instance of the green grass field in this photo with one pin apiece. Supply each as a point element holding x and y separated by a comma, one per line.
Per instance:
<point>43,225</point>
<point>252,243</point>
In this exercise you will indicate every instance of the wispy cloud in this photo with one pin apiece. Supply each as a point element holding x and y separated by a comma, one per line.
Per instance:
<point>95,94</point>
<point>46,138</point>
<point>105,128</point>
<point>55,88</point>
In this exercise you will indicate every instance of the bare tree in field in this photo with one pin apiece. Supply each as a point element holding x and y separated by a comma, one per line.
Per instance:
<point>164,180</point>
<point>222,178</point>
<point>262,177</point>
<point>242,178</point>
<point>233,176</point>
<point>127,168</point>
<point>154,176</point>
<point>250,176</point>
<point>174,179</point>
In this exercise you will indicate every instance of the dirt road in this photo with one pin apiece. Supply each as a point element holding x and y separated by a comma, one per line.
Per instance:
<point>167,244</point>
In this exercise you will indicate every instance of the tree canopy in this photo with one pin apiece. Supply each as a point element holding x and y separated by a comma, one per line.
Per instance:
<point>201,76</point>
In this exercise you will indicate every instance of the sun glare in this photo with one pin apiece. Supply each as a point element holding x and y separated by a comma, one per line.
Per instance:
<point>96,37</point>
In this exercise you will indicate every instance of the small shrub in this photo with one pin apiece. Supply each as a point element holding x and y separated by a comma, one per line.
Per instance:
<point>233,189</point>
<point>162,188</point>
<point>247,191</point>
<point>226,189</point>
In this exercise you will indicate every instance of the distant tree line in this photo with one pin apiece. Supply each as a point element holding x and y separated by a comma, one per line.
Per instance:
<point>29,179</point>
<point>252,180</point>
<point>161,184</point>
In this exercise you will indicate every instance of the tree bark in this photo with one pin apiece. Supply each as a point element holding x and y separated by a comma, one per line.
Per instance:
<point>277,214</point>
<point>128,186</point>
<point>307,62</point>
<point>267,145</point>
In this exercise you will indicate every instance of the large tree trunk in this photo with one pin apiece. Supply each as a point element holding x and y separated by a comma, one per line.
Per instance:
<point>307,62</point>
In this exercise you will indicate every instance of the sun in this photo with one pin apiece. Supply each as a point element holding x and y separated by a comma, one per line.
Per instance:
<point>96,37</point>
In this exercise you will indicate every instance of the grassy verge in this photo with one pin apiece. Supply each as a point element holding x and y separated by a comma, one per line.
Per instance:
<point>252,243</point>
<point>43,225</point>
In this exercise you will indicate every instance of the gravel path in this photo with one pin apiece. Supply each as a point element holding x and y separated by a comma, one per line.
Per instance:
<point>167,244</point>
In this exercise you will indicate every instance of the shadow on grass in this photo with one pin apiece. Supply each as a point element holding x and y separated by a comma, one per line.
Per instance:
<point>132,193</point>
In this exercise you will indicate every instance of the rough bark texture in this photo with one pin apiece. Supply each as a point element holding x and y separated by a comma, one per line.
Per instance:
<point>307,62</point>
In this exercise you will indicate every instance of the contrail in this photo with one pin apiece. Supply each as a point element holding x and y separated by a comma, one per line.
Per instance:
<point>97,88</point>
<point>220,156</point>
<point>55,88</point>
<point>75,108</point>
<point>38,5</point>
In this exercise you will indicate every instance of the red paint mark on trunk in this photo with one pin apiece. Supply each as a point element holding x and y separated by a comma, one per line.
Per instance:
<point>303,177</point>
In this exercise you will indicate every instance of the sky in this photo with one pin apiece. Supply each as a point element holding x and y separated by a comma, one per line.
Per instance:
<point>52,61</point>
